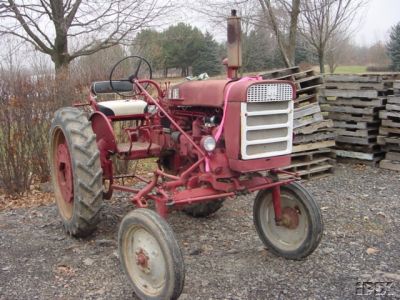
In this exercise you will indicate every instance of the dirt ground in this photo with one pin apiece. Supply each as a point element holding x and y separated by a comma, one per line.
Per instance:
<point>223,255</point>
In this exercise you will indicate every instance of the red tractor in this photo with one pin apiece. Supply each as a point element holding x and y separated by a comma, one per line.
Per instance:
<point>214,139</point>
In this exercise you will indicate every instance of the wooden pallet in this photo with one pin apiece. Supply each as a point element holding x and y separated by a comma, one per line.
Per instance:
<point>353,78</point>
<point>381,86</point>
<point>357,102</point>
<point>352,93</point>
<point>353,110</point>
<point>356,125</point>
<point>384,140</point>
<point>308,129</point>
<point>389,131</point>
<point>313,146</point>
<point>314,137</point>
<point>393,99</point>
<point>353,117</point>
<point>312,164</point>
<point>368,140</point>
<point>307,120</point>
<point>306,110</point>
<point>391,123</point>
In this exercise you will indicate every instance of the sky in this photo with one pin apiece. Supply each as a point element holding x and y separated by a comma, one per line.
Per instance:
<point>376,21</point>
<point>370,26</point>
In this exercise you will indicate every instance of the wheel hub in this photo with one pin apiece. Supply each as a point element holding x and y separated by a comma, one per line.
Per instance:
<point>142,260</point>
<point>290,217</point>
<point>64,172</point>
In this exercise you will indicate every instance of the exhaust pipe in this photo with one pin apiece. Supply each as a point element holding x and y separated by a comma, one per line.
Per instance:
<point>234,45</point>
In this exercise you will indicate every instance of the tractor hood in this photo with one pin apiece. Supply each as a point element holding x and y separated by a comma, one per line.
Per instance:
<point>199,93</point>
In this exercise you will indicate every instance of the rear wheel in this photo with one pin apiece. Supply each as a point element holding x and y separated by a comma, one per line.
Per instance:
<point>76,171</point>
<point>150,255</point>
<point>301,229</point>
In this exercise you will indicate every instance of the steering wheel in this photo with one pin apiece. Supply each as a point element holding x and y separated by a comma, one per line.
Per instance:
<point>127,70</point>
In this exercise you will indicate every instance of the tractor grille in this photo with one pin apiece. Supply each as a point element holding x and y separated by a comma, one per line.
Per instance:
<point>267,121</point>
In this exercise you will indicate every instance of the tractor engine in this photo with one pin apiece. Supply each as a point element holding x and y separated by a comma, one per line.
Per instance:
<point>256,126</point>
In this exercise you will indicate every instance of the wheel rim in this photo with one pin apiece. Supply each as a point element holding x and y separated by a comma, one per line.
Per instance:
<point>293,231</point>
<point>145,261</point>
<point>64,190</point>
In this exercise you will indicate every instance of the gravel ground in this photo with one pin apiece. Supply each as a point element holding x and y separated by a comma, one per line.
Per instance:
<point>223,255</point>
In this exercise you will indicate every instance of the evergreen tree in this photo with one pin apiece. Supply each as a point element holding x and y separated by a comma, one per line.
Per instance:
<point>208,60</point>
<point>148,44</point>
<point>393,47</point>
<point>181,44</point>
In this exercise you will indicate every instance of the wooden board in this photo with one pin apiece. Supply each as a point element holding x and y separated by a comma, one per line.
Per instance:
<point>357,132</point>
<point>359,102</point>
<point>310,155</point>
<point>373,148</point>
<point>356,140</point>
<point>280,72</point>
<point>350,93</point>
<point>358,155</point>
<point>312,146</point>
<point>390,165</point>
<point>314,127</point>
<point>356,125</point>
<point>306,110</point>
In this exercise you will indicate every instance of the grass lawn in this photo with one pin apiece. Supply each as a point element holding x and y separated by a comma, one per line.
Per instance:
<point>350,69</point>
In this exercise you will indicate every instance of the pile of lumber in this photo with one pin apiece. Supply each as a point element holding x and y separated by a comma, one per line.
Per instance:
<point>312,156</point>
<point>353,102</point>
<point>389,132</point>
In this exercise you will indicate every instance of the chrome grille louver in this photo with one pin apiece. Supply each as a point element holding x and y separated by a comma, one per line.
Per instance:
<point>267,121</point>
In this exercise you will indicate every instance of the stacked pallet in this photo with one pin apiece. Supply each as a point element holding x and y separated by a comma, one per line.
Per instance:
<point>312,156</point>
<point>353,103</point>
<point>389,132</point>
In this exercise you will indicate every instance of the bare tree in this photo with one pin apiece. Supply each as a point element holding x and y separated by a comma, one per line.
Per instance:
<point>280,16</point>
<point>67,29</point>
<point>285,35</point>
<point>322,20</point>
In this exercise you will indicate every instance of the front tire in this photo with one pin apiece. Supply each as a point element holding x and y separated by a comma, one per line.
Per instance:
<point>303,226</point>
<point>150,255</point>
<point>76,171</point>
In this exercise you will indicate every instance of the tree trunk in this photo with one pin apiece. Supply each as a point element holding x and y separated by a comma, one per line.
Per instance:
<point>321,60</point>
<point>294,16</point>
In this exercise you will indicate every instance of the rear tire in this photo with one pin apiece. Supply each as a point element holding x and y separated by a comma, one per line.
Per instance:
<point>203,209</point>
<point>150,255</point>
<point>303,229</point>
<point>76,171</point>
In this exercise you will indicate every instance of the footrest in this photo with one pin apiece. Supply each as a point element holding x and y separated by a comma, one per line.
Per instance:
<point>139,149</point>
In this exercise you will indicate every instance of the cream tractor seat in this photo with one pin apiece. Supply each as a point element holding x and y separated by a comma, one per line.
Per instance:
<point>122,107</point>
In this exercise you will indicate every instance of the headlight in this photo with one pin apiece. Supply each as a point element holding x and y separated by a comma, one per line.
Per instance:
<point>208,143</point>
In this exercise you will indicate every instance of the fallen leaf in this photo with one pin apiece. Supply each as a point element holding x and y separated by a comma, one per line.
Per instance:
<point>372,251</point>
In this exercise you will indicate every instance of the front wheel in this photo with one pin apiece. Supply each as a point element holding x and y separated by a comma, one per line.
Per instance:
<point>302,227</point>
<point>150,255</point>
